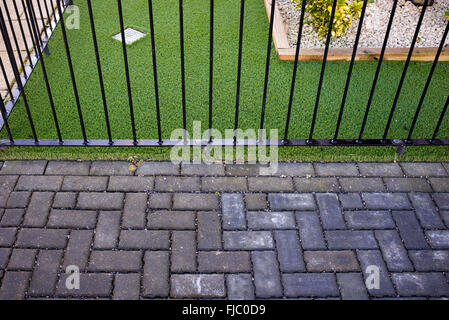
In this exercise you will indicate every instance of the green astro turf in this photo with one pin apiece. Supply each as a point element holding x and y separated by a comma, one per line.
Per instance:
<point>196,21</point>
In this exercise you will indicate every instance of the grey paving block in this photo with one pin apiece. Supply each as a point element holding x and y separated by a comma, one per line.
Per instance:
<point>156,274</point>
<point>12,217</point>
<point>203,169</point>
<point>439,184</point>
<point>369,258</point>
<point>115,261</point>
<point>247,240</point>
<point>291,201</point>
<point>130,184</point>
<point>271,220</point>
<point>407,185</point>
<point>144,239</point>
<point>42,238</point>
<point>155,168</point>
<point>270,184</point>
<point>438,239</point>
<point>197,286</point>
<point>108,229</point>
<point>80,183</point>
<point>298,169</point>
<point>430,260</point>
<point>14,285</point>
<point>369,219</point>
<point>423,169</point>
<point>18,199</point>
<point>310,231</point>
<point>426,211</point>
<point>421,284</point>
<point>289,251</point>
<point>23,167</point>
<point>352,286</point>
<point>362,184</point>
<point>183,251</point>
<point>39,183</point>
<point>209,231</point>
<point>243,170</point>
<point>189,201</point>
<point>78,249</point>
<point>7,236</point>
<point>233,210</point>
<point>177,184</point>
<point>22,259</point>
<point>110,168</point>
<point>4,256</point>
<point>256,201</point>
<point>160,200</point>
<point>171,220</point>
<point>38,209</point>
<point>343,239</point>
<point>336,169</point>
<point>393,251</point>
<point>7,184</point>
<point>376,169</point>
<point>134,211</point>
<point>330,211</point>
<point>74,219</point>
<point>91,285</point>
<point>240,287</point>
<point>65,200</point>
<point>126,286</point>
<point>393,201</point>
<point>64,168</point>
<point>45,275</point>
<point>267,279</point>
<point>442,200</point>
<point>224,184</point>
<point>310,285</point>
<point>318,184</point>
<point>224,261</point>
<point>100,201</point>
<point>445,216</point>
<point>331,261</point>
<point>410,230</point>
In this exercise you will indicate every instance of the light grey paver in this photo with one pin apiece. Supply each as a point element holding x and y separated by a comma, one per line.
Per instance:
<point>197,286</point>
<point>23,167</point>
<point>423,169</point>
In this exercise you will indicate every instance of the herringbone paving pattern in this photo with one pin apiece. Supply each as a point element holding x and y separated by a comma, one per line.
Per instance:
<point>223,231</point>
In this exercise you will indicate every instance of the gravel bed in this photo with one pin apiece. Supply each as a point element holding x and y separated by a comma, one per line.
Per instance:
<point>375,25</point>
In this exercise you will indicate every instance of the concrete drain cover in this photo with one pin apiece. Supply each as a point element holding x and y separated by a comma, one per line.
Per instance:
<point>131,35</point>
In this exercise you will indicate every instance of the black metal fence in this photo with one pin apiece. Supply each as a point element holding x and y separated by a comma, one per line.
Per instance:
<point>41,36</point>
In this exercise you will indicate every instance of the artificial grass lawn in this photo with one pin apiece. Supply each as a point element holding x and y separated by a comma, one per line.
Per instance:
<point>196,21</point>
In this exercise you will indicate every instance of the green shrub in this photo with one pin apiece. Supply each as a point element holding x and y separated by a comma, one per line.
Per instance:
<point>320,13</point>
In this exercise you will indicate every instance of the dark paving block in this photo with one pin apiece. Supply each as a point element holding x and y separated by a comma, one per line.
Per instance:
<point>4,256</point>
<point>267,278</point>
<point>64,168</point>
<point>100,201</point>
<point>160,200</point>
<point>209,231</point>
<point>445,216</point>
<point>110,168</point>
<point>362,184</point>
<point>188,201</point>
<point>393,251</point>
<point>23,167</point>
<point>256,201</point>
<point>421,284</point>
<point>233,210</point>
<point>224,261</point>
<point>410,230</point>
<point>42,238</point>
<point>75,219</point>
<point>438,239</point>
<point>298,169</point>
<point>352,286</point>
<point>240,287</point>
<point>91,285</point>
<point>134,212</point>
<point>440,184</point>
<point>64,200</point>
<point>407,185</point>
<point>375,169</point>
<point>310,230</point>
<point>18,199</point>
<point>170,220</point>
<point>22,259</point>
<point>203,169</point>
<point>156,274</point>
<point>291,201</point>
<point>243,170</point>
<point>270,184</point>
<point>197,286</point>
<point>177,184</point>
<point>130,184</point>
<point>316,184</point>
<point>350,200</point>
<point>247,240</point>
<point>393,201</point>
<point>426,211</point>
<point>430,260</point>
<point>331,261</point>
<point>7,236</point>
<point>12,217</point>
<point>224,184</point>
<point>420,169</point>
<point>38,209</point>
<point>80,183</point>
<point>369,220</point>
<point>144,239</point>
<point>374,258</point>
<point>115,261</point>
<point>310,285</point>
<point>183,251</point>
<point>7,184</point>
<point>78,249</point>
<point>330,212</point>
<point>289,252</point>
<point>45,275</point>
<point>271,220</point>
<point>442,200</point>
<point>39,183</point>
<point>336,169</point>
<point>14,285</point>
<point>126,286</point>
<point>108,229</point>
<point>155,168</point>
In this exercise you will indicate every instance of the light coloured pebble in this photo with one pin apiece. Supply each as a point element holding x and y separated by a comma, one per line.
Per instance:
<point>375,26</point>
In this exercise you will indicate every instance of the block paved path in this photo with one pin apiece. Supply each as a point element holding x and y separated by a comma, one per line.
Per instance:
<point>216,231</point>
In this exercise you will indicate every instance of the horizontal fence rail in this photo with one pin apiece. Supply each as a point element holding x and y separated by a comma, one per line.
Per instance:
<point>42,20</point>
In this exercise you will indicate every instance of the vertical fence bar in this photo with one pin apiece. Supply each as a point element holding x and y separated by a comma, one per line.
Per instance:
<point>267,65</point>
<point>47,84</point>
<point>5,119</point>
<point>6,79</point>
<point>156,86</point>
<point>351,65</point>
<point>440,120</point>
<point>404,71</point>
<point>183,76</point>
<point>42,18</point>
<point>323,68</point>
<point>72,74</point>
<point>211,67</point>
<point>5,35</point>
<point>53,10</point>
<point>295,70</point>
<point>379,65</point>
<point>14,37</point>
<point>429,79</point>
<point>48,14</point>
<point>27,19</point>
<point>239,68</point>
<point>128,80</point>
<point>100,73</point>
<point>25,42</point>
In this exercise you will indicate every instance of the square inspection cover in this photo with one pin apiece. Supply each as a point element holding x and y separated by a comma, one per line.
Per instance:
<point>131,36</point>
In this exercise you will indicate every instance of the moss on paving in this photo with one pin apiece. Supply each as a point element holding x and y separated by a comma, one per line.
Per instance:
<point>225,63</point>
